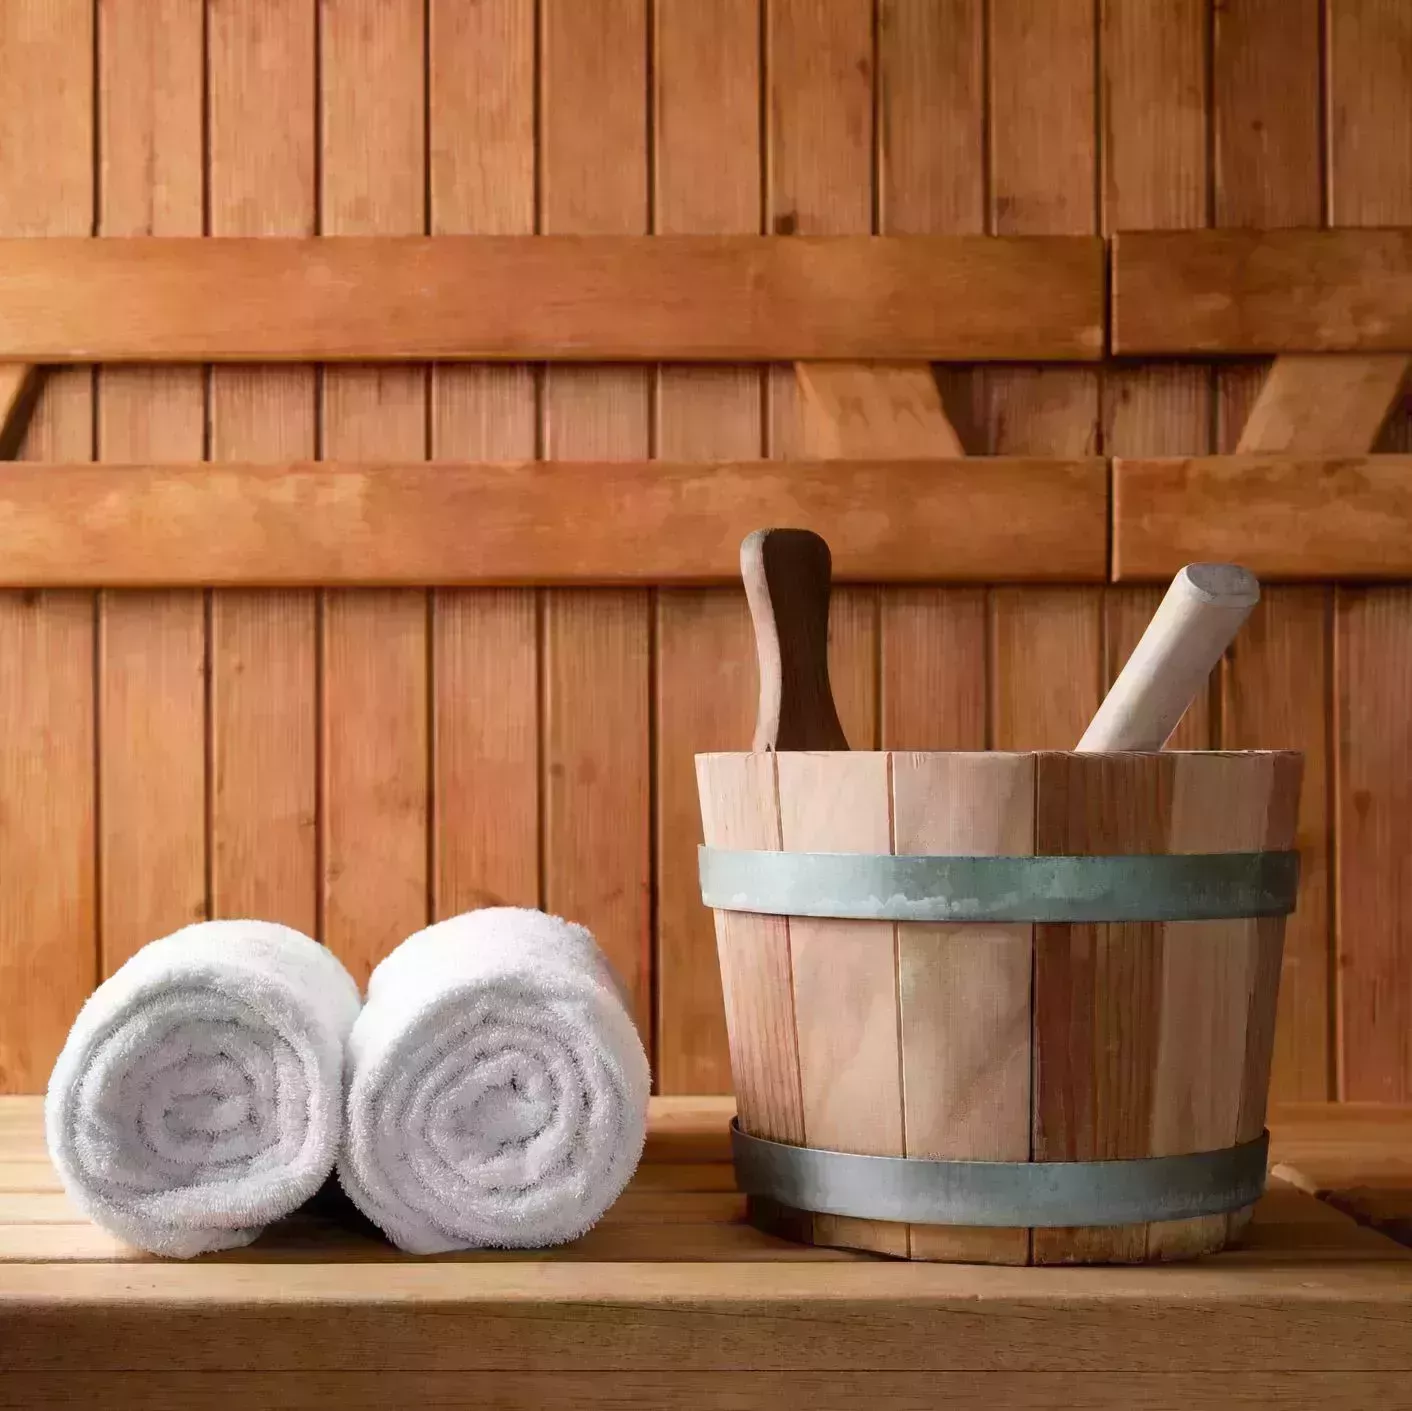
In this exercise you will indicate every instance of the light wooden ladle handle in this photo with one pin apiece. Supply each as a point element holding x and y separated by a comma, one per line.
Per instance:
<point>1193,625</point>
<point>786,573</point>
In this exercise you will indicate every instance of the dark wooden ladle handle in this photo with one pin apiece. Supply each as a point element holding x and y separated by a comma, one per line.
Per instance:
<point>786,573</point>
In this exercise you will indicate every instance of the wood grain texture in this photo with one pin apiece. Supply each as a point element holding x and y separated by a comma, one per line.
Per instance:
<point>1324,404</point>
<point>1154,150</point>
<point>1045,657</point>
<point>19,390</point>
<point>845,980</point>
<point>1369,67</point>
<point>931,158</point>
<point>379,516</point>
<point>964,991</point>
<point>375,747</point>
<point>1266,83</point>
<point>152,662</point>
<point>263,695</point>
<point>485,644</point>
<point>1287,515</point>
<point>1214,988</point>
<point>740,809</point>
<point>48,927</point>
<point>1097,988</point>
<point>819,182</point>
<point>1311,1294</point>
<point>707,180</point>
<point>1356,1156</point>
<point>726,299</point>
<point>598,752</point>
<point>1268,291</point>
<point>739,1390</point>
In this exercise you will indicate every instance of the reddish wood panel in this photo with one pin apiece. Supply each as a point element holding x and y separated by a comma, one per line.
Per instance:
<point>1155,141</point>
<point>375,709</point>
<point>152,646</point>
<point>931,180</point>
<point>48,926</point>
<point>1045,657</point>
<point>400,522</point>
<point>485,644</point>
<point>1288,516</point>
<point>263,696</point>
<point>1263,292</point>
<point>565,299</point>
<point>597,747</point>
<point>707,147</point>
<point>819,180</point>
<point>1369,72</point>
<point>1266,87</point>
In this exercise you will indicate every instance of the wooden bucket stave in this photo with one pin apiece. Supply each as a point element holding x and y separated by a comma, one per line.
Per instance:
<point>1014,1041</point>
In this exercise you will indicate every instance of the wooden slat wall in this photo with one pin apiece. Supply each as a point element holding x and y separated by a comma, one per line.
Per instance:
<point>355,761</point>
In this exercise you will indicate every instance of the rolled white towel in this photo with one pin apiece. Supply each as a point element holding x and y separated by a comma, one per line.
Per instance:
<point>497,1086</point>
<point>199,1093</point>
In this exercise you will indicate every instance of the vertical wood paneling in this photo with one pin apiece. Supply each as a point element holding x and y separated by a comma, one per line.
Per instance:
<point>1045,643</point>
<point>48,936</point>
<point>375,742</point>
<point>931,180</point>
<point>485,832</point>
<point>819,165</point>
<point>152,646</point>
<point>264,713</point>
<point>1265,86</point>
<point>597,787</point>
<point>1370,183</point>
<point>707,181</point>
<point>1155,176</point>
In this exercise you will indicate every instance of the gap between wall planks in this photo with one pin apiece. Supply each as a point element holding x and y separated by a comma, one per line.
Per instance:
<point>1275,689</point>
<point>597,649</point>
<point>1369,61</point>
<point>152,652</point>
<point>48,925</point>
<point>263,805</point>
<point>707,180</point>
<point>485,642</point>
<point>375,641</point>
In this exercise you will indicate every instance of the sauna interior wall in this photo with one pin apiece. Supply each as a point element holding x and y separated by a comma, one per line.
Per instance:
<point>355,762</point>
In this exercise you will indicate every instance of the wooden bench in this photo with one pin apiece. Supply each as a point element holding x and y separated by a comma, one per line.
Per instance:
<point>675,1301</point>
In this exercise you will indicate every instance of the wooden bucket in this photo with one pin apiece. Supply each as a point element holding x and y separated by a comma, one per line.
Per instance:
<point>993,1007</point>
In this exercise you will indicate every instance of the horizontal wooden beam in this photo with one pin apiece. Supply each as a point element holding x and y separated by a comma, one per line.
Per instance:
<point>1282,516</point>
<point>1244,292</point>
<point>544,521</point>
<point>532,298</point>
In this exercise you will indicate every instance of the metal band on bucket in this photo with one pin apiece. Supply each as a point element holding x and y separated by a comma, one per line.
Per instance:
<point>1001,1193</point>
<point>880,887</point>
